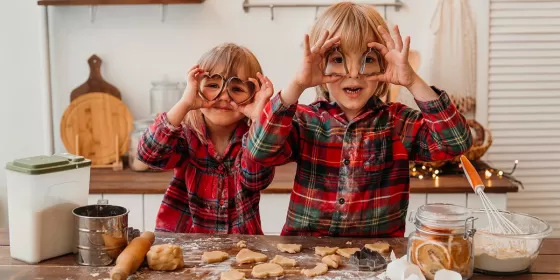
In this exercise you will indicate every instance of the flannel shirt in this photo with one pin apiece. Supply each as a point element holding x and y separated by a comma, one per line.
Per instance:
<point>352,177</point>
<point>208,193</point>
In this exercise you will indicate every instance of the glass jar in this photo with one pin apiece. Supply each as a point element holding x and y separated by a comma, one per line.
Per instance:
<point>140,127</point>
<point>163,95</point>
<point>443,239</point>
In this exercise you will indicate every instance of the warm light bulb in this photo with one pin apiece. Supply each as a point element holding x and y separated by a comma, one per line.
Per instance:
<point>436,172</point>
<point>487,174</point>
<point>414,169</point>
<point>500,173</point>
<point>420,177</point>
<point>423,167</point>
<point>433,175</point>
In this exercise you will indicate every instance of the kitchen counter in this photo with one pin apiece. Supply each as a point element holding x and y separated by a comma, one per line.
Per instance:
<point>107,181</point>
<point>545,268</point>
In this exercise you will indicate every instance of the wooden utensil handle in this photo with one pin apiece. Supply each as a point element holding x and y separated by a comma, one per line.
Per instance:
<point>132,256</point>
<point>94,67</point>
<point>472,175</point>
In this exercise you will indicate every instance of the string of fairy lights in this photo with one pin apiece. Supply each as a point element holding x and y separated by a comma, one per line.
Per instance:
<point>423,171</point>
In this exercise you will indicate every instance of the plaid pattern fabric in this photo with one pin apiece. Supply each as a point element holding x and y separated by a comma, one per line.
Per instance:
<point>208,193</point>
<point>353,177</point>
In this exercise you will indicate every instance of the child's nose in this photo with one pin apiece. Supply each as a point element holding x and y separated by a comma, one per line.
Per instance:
<point>353,69</point>
<point>224,96</point>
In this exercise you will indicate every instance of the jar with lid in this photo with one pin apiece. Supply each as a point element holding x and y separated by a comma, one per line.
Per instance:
<point>140,127</point>
<point>443,239</point>
<point>163,95</point>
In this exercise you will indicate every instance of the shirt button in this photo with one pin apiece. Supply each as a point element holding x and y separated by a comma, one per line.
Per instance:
<point>346,161</point>
<point>220,168</point>
<point>341,200</point>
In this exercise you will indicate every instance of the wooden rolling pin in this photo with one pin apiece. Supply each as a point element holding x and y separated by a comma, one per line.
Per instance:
<point>132,256</point>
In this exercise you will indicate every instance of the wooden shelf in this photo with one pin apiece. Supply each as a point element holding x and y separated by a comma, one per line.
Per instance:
<point>114,2</point>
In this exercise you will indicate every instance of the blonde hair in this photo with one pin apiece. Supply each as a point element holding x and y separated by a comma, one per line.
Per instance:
<point>356,24</point>
<point>232,59</point>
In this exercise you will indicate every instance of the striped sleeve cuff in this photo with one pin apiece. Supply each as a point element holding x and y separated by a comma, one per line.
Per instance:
<point>278,107</point>
<point>163,120</point>
<point>435,106</point>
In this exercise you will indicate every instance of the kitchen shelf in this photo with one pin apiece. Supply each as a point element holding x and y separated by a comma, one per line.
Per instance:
<point>114,2</point>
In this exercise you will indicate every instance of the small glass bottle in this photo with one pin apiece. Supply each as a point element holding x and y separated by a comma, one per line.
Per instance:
<point>443,239</point>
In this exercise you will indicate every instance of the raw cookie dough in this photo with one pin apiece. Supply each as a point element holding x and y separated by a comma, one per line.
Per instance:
<point>242,244</point>
<point>214,256</point>
<point>380,247</point>
<point>248,256</point>
<point>283,261</point>
<point>323,251</point>
<point>267,269</point>
<point>346,252</point>
<point>165,257</point>
<point>332,260</point>
<point>289,248</point>
<point>233,274</point>
<point>319,269</point>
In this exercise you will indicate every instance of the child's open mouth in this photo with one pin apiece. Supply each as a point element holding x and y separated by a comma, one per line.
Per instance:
<point>353,91</point>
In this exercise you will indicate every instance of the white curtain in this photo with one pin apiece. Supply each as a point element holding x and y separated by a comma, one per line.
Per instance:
<point>454,52</point>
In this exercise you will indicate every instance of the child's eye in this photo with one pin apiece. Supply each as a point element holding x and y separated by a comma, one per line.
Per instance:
<point>370,59</point>
<point>337,59</point>
<point>213,85</point>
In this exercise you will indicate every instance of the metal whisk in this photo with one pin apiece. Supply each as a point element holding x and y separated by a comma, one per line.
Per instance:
<point>497,223</point>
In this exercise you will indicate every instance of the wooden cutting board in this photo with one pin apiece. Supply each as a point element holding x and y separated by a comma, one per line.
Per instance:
<point>96,119</point>
<point>95,82</point>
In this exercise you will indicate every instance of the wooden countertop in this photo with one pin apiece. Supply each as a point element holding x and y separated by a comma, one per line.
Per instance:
<point>130,182</point>
<point>545,267</point>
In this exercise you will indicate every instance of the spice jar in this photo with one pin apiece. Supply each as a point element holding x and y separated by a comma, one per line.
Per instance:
<point>443,239</point>
<point>140,127</point>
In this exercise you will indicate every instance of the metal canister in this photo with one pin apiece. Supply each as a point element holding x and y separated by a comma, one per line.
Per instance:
<point>103,233</point>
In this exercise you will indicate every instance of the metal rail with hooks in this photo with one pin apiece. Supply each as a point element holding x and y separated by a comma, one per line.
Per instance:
<point>247,5</point>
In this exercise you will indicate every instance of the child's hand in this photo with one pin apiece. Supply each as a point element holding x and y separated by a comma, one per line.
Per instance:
<point>398,70</point>
<point>254,109</point>
<point>190,97</point>
<point>311,71</point>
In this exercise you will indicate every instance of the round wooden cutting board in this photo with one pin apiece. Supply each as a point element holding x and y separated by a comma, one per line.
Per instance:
<point>97,119</point>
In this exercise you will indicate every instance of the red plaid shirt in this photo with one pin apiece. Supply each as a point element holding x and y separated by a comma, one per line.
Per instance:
<point>353,176</point>
<point>208,193</point>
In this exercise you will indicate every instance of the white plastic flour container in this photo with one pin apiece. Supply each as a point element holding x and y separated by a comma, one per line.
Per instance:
<point>42,192</point>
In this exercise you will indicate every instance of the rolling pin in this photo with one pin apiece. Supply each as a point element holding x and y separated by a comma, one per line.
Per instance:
<point>132,256</point>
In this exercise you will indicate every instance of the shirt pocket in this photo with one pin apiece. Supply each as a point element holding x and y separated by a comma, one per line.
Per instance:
<point>377,155</point>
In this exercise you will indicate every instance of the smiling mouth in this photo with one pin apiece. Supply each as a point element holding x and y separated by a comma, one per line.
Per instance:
<point>352,90</point>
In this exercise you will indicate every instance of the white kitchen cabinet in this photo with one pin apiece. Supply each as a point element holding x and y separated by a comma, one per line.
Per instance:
<point>152,202</point>
<point>134,203</point>
<point>273,208</point>
<point>498,199</point>
<point>451,198</point>
<point>415,200</point>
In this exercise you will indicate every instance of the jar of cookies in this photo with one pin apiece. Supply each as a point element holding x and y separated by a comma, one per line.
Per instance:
<point>443,239</point>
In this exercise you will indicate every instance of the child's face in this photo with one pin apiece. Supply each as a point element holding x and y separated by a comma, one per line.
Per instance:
<point>222,113</point>
<point>353,91</point>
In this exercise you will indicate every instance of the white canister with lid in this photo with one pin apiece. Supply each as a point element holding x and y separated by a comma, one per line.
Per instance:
<point>42,192</point>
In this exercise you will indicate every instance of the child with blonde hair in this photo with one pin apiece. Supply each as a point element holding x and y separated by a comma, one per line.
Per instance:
<point>353,150</point>
<point>215,187</point>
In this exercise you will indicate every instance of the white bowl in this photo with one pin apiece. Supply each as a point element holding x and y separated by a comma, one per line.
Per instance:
<point>506,254</point>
